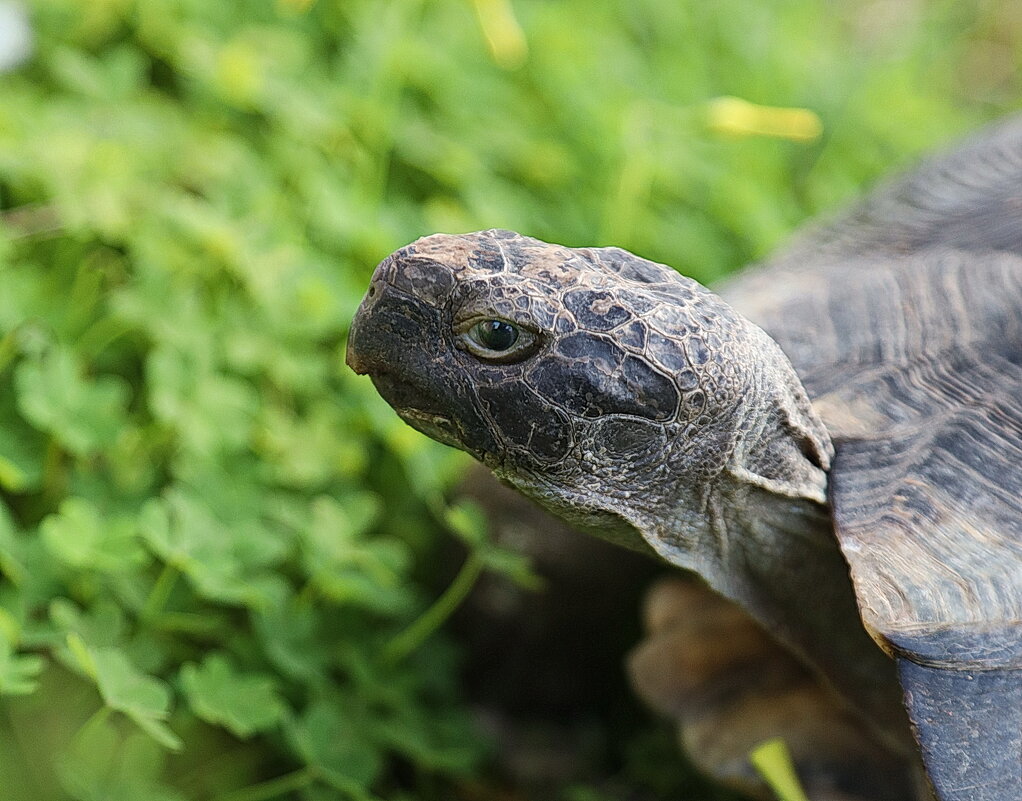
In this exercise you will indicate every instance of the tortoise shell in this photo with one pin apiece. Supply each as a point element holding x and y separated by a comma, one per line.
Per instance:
<point>881,411</point>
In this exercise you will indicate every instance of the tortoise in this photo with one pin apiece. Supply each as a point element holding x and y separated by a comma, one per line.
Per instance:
<point>832,440</point>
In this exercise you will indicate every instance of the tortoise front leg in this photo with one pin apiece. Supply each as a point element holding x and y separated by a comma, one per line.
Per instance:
<point>730,686</point>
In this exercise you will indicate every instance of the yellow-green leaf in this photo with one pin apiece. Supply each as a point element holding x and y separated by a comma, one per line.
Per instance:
<point>773,761</point>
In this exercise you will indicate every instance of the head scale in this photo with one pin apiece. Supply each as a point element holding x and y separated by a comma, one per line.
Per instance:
<point>597,382</point>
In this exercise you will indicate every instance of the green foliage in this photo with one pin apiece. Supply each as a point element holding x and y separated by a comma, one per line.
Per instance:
<point>773,761</point>
<point>243,704</point>
<point>124,689</point>
<point>215,542</point>
<point>17,671</point>
<point>104,763</point>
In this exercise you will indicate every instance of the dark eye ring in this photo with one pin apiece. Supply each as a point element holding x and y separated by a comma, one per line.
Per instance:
<point>496,340</point>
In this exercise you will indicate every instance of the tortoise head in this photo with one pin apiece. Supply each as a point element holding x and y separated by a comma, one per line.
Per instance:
<point>594,381</point>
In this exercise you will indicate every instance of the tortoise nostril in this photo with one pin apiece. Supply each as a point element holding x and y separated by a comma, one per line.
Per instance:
<point>372,290</point>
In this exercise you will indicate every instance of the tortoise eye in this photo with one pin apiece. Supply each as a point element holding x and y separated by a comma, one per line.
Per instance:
<point>494,335</point>
<point>494,340</point>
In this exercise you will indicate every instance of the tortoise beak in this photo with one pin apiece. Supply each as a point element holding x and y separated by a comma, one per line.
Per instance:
<point>359,339</point>
<point>351,355</point>
<point>398,339</point>
<point>406,400</point>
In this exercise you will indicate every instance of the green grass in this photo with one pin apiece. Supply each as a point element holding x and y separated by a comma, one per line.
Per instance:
<point>216,543</point>
<point>773,761</point>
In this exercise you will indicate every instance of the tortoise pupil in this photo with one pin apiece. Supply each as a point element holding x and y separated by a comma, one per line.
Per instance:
<point>496,334</point>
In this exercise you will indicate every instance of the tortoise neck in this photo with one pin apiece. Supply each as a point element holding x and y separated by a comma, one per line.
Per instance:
<point>777,557</point>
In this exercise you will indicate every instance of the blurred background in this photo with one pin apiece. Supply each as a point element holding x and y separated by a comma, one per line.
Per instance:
<point>227,570</point>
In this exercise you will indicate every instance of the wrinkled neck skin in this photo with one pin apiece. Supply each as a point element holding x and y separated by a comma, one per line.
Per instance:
<point>760,533</point>
<point>773,552</point>
<point>777,557</point>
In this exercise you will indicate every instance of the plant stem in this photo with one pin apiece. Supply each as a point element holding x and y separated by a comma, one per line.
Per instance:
<point>273,788</point>
<point>160,592</point>
<point>430,620</point>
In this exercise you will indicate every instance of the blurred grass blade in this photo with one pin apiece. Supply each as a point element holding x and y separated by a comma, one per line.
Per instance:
<point>736,117</point>
<point>773,761</point>
<point>504,35</point>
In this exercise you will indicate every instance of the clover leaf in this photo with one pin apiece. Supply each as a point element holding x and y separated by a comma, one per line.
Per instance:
<point>83,414</point>
<point>242,703</point>
<point>143,698</point>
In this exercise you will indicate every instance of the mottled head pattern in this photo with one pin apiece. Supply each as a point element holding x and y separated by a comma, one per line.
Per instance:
<point>626,378</point>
